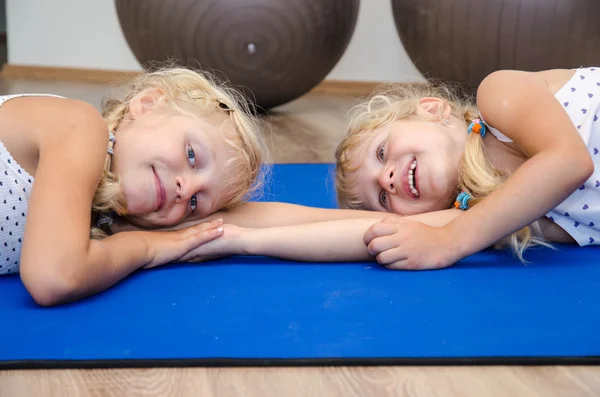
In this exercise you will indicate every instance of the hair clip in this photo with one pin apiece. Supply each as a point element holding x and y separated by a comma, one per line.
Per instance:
<point>462,201</point>
<point>112,139</point>
<point>478,127</point>
<point>195,94</point>
<point>104,223</point>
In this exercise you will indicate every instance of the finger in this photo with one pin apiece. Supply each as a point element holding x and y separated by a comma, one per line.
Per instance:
<point>202,237</point>
<point>405,264</point>
<point>377,230</point>
<point>210,225</point>
<point>389,257</point>
<point>380,244</point>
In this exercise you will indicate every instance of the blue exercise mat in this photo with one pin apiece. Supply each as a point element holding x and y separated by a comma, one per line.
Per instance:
<point>487,309</point>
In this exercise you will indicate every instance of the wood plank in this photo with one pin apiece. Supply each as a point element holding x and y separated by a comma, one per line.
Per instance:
<point>465,381</point>
<point>64,74</point>
<point>345,87</point>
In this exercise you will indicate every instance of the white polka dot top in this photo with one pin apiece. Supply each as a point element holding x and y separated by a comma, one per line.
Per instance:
<point>15,188</point>
<point>579,214</point>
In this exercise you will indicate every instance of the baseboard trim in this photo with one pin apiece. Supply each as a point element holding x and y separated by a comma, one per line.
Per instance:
<point>342,87</point>
<point>64,73</point>
<point>347,87</point>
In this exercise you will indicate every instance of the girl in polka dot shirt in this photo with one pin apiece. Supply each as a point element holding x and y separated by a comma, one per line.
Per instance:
<point>173,145</point>
<point>520,166</point>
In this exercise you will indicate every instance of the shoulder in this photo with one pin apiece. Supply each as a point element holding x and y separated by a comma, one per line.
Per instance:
<point>43,122</point>
<point>67,130</point>
<point>57,121</point>
<point>523,106</point>
<point>506,95</point>
<point>518,102</point>
<point>71,115</point>
<point>51,110</point>
<point>72,140</point>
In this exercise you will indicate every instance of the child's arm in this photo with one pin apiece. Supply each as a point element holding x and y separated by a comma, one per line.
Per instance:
<point>332,241</point>
<point>59,262</point>
<point>520,105</point>
<point>270,214</point>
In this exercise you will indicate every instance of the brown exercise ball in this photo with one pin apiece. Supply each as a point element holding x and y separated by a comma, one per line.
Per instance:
<point>273,50</point>
<point>464,40</point>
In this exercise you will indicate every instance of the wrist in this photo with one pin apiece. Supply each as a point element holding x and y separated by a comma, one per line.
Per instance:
<point>250,242</point>
<point>242,244</point>
<point>131,248</point>
<point>458,240</point>
<point>142,240</point>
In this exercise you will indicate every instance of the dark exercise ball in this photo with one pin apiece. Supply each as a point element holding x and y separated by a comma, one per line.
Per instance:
<point>464,41</point>
<point>274,51</point>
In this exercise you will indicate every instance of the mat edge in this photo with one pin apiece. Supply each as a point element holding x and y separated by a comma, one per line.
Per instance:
<point>305,362</point>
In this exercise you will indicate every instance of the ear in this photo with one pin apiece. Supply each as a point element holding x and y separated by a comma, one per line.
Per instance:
<point>145,101</point>
<point>435,107</point>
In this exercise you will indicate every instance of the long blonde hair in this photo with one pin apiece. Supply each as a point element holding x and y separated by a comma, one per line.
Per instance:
<point>196,94</point>
<point>477,175</point>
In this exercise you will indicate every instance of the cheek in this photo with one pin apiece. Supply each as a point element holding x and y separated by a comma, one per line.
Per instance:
<point>395,147</point>
<point>134,194</point>
<point>152,220</point>
<point>175,216</point>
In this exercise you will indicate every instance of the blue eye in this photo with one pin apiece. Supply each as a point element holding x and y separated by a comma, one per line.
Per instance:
<point>380,152</point>
<point>383,199</point>
<point>191,155</point>
<point>194,202</point>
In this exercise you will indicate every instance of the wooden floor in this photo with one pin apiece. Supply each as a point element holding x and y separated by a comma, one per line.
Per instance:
<point>305,130</point>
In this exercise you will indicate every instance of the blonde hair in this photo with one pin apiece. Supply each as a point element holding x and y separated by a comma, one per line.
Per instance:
<point>196,94</point>
<point>477,175</point>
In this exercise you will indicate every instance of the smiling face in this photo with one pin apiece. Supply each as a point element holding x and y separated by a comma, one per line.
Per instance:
<point>410,166</point>
<point>172,166</point>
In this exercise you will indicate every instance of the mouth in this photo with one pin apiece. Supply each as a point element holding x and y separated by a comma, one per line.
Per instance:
<point>161,195</point>
<point>411,186</point>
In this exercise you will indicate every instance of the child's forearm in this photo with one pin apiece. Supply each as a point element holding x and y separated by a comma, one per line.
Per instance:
<point>115,257</point>
<point>272,214</point>
<point>75,277</point>
<point>534,189</point>
<point>339,240</point>
<point>332,241</point>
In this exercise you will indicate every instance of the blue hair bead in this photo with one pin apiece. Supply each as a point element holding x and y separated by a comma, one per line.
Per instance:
<point>462,201</point>
<point>477,126</point>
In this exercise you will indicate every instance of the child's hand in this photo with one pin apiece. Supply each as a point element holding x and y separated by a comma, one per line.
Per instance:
<point>230,243</point>
<point>169,246</point>
<point>409,245</point>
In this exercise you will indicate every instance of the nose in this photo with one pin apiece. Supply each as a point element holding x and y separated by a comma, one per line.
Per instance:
<point>186,187</point>
<point>386,180</point>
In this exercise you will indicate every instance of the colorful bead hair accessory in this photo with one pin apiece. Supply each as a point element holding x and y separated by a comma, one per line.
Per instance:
<point>112,140</point>
<point>478,127</point>
<point>105,221</point>
<point>462,201</point>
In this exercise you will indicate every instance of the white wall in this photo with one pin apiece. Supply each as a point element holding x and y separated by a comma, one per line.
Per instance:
<point>375,52</point>
<point>86,34</point>
<point>67,33</point>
